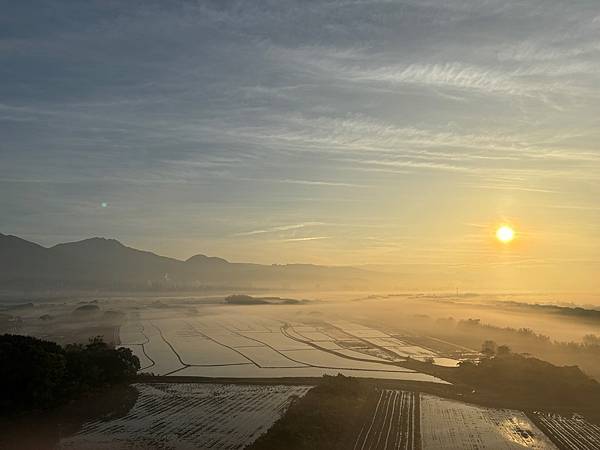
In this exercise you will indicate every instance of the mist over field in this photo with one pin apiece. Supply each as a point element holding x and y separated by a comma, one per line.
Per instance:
<point>263,350</point>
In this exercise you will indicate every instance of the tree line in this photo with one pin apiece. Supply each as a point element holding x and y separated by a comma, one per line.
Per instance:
<point>39,374</point>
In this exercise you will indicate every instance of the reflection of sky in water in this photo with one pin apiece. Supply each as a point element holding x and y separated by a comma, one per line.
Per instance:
<point>446,362</point>
<point>448,424</point>
<point>518,431</point>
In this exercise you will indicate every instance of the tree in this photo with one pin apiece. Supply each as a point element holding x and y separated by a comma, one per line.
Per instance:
<point>526,379</point>
<point>97,363</point>
<point>591,340</point>
<point>503,350</point>
<point>488,348</point>
<point>31,372</point>
<point>41,374</point>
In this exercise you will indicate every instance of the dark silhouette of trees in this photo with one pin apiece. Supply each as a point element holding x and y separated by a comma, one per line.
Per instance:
<point>503,350</point>
<point>489,348</point>
<point>591,340</point>
<point>320,419</point>
<point>38,374</point>
<point>97,363</point>
<point>521,377</point>
<point>32,372</point>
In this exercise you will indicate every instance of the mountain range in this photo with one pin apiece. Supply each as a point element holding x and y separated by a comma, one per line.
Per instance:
<point>100,263</point>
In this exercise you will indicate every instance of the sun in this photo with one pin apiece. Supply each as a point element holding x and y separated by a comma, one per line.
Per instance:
<point>505,234</point>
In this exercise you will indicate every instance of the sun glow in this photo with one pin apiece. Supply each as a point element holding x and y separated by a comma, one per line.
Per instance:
<point>505,234</point>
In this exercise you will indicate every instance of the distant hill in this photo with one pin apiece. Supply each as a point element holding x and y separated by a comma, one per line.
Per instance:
<point>242,299</point>
<point>100,263</point>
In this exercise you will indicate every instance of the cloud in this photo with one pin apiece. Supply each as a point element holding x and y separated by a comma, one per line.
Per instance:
<point>279,228</point>
<point>267,119</point>
<point>305,239</point>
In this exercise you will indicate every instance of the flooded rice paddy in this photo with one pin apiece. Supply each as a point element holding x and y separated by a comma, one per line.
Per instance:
<point>255,346</point>
<point>189,416</point>
<point>452,425</point>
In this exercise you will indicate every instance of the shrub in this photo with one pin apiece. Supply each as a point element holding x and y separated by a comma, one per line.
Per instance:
<point>41,374</point>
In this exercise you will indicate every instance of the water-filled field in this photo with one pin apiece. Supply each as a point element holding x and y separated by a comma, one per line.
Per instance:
<point>573,433</point>
<point>394,419</point>
<point>389,422</point>
<point>190,416</point>
<point>256,346</point>
<point>452,425</point>
<point>210,415</point>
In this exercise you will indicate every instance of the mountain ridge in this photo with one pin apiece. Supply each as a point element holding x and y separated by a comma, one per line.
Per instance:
<point>100,262</point>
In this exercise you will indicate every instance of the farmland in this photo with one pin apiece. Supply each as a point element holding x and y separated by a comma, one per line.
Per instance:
<point>190,416</point>
<point>569,433</point>
<point>249,356</point>
<point>251,346</point>
<point>390,421</point>
<point>448,424</point>
<point>394,419</point>
<point>342,413</point>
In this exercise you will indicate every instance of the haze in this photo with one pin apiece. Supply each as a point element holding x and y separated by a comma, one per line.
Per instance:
<point>393,134</point>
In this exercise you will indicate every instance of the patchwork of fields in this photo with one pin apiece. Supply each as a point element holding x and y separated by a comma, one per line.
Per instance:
<point>228,346</point>
<point>247,346</point>
<point>395,419</point>
<point>190,416</point>
<point>231,416</point>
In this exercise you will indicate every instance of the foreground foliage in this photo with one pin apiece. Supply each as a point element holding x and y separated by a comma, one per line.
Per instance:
<point>38,374</point>
<point>323,418</point>
<point>526,378</point>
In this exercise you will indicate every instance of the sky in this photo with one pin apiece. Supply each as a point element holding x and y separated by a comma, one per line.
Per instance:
<point>393,134</point>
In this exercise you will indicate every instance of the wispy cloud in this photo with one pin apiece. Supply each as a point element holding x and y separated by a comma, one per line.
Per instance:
<point>348,116</point>
<point>454,75</point>
<point>507,187</point>
<point>279,228</point>
<point>305,239</point>
<point>308,182</point>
